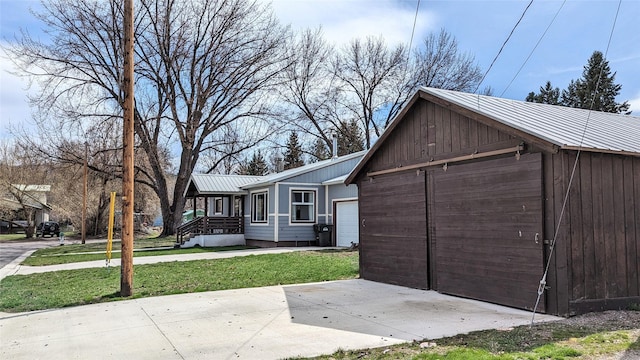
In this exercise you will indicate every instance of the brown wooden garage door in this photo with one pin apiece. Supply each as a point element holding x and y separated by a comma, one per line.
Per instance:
<point>393,231</point>
<point>486,216</point>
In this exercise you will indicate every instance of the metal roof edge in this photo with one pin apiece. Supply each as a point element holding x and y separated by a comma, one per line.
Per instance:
<point>287,174</point>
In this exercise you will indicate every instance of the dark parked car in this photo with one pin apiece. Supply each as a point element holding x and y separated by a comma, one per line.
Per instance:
<point>48,228</point>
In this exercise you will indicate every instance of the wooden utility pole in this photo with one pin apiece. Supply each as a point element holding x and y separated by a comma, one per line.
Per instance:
<point>84,194</point>
<point>126,269</point>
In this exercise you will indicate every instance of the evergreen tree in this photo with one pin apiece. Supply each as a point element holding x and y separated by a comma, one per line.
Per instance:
<point>320,151</point>
<point>256,166</point>
<point>293,154</point>
<point>547,95</point>
<point>582,93</point>
<point>350,138</point>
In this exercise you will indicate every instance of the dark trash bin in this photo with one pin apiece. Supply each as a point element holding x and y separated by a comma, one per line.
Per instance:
<point>323,234</point>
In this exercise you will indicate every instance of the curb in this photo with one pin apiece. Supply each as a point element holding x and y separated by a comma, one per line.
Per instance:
<point>13,267</point>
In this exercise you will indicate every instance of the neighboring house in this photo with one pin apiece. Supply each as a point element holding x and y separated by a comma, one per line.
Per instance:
<point>33,197</point>
<point>279,209</point>
<point>464,193</point>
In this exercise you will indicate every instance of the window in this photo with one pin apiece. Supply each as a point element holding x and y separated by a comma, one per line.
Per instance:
<point>259,207</point>
<point>218,206</point>
<point>303,208</point>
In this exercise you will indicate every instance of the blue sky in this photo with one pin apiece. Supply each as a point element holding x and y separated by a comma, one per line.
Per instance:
<point>480,27</point>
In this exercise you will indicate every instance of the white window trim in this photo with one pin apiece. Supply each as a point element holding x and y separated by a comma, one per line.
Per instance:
<point>315,206</point>
<point>259,223</point>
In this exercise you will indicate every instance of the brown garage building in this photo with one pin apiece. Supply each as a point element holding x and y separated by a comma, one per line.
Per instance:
<point>464,194</point>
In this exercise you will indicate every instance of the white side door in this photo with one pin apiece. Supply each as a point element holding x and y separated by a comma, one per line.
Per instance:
<point>346,220</point>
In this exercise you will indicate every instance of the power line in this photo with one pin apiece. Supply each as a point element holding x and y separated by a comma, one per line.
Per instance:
<point>534,48</point>
<point>543,281</point>
<point>413,31</point>
<point>503,45</point>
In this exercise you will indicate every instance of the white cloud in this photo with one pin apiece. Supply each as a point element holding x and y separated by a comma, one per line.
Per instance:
<point>634,105</point>
<point>343,20</point>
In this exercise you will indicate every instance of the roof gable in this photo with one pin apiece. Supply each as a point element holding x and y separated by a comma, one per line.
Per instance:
<point>548,126</point>
<point>292,173</point>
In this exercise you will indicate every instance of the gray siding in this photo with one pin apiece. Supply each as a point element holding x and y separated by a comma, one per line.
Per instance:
<point>260,231</point>
<point>341,191</point>
<point>327,173</point>
<point>303,232</point>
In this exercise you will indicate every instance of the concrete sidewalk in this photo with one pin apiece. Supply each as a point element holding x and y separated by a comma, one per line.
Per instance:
<point>260,323</point>
<point>14,268</point>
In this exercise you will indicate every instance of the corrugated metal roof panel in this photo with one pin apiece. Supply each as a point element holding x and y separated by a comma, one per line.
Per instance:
<point>562,126</point>
<point>222,184</point>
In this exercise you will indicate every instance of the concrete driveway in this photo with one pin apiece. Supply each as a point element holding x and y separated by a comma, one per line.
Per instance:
<point>260,323</point>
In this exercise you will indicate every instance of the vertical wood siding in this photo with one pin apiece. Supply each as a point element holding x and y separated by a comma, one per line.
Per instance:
<point>430,131</point>
<point>602,236</point>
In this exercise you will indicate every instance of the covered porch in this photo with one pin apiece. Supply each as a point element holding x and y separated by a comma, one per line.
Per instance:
<point>217,205</point>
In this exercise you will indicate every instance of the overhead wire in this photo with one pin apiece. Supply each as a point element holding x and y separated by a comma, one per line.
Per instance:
<point>534,48</point>
<point>413,31</point>
<point>543,281</point>
<point>503,45</point>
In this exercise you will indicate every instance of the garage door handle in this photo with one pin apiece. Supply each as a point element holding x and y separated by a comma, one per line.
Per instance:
<point>363,225</point>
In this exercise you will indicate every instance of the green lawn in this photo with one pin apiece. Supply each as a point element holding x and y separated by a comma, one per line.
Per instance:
<point>9,237</point>
<point>58,255</point>
<point>85,286</point>
<point>554,340</point>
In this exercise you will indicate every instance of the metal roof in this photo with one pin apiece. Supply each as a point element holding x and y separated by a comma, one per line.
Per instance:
<point>220,184</point>
<point>568,128</point>
<point>287,174</point>
<point>564,127</point>
<point>337,180</point>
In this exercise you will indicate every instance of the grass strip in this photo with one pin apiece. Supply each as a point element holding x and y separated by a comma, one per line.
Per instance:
<point>86,286</point>
<point>553,340</point>
<point>143,243</point>
<point>11,237</point>
<point>44,258</point>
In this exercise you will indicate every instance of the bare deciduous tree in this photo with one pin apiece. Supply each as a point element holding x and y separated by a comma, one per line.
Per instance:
<point>310,87</point>
<point>200,67</point>
<point>373,77</point>
<point>440,64</point>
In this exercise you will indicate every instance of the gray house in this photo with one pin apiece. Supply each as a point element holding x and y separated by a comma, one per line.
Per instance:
<point>281,209</point>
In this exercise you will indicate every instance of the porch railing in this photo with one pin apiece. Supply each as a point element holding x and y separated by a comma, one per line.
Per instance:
<point>209,226</point>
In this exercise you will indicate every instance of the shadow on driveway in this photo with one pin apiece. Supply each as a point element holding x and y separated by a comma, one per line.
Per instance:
<point>392,311</point>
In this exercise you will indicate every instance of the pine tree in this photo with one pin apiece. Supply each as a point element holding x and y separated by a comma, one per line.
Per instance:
<point>547,95</point>
<point>256,166</point>
<point>320,151</point>
<point>350,139</point>
<point>293,154</point>
<point>582,93</point>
